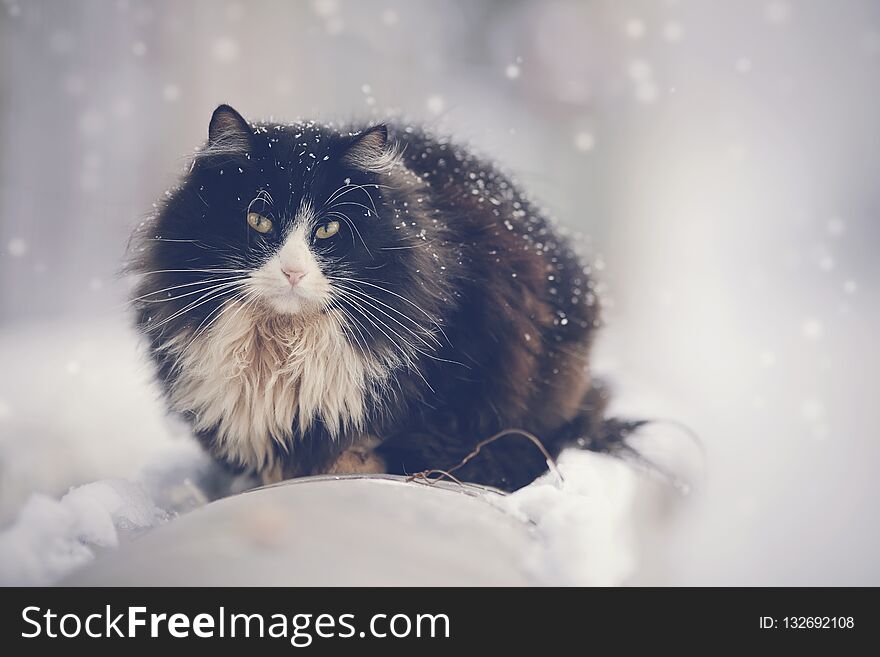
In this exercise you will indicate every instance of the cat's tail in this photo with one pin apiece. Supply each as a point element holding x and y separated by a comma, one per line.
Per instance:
<point>653,444</point>
<point>592,429</point>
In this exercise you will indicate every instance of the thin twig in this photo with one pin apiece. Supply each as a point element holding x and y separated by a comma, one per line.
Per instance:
<point>551,462</point>
<point>425,475</point>
<point>512,432</point>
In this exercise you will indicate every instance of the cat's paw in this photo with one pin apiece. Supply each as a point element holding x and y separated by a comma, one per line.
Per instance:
<point>358,460</point>
<point>272,474</point>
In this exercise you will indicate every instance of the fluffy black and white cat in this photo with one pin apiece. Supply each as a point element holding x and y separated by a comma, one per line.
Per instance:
<point>323,300</point>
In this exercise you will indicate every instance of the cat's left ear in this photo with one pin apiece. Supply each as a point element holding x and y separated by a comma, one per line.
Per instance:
<point>370,151</point>
<point>228,129</point>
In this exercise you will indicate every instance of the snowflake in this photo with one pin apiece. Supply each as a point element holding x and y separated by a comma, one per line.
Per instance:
<point>435,104</point>
<point>17,247</point>
<point>673,31</point>
<point>225,49</point>
<point>584,141</point>
<point>635,28</point>
<point>812,329</point>
<point>836,226</point>
<point>171,93</point>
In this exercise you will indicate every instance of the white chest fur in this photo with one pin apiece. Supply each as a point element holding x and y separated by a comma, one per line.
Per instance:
<point>253,378</point>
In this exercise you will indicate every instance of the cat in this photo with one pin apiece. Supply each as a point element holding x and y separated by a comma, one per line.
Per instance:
<point>324,300</point>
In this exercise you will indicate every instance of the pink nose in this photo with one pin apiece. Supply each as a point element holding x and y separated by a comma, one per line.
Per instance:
<point>294,276</point>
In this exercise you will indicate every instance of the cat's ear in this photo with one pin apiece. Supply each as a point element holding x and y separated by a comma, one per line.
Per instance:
<point>228,129</point>
<point>370,151</point>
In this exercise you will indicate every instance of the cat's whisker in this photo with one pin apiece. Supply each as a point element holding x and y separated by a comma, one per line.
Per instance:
<point>412,333</point>
<point>176,287</point>
<point>191,270</point>
<point>348,221</point>
<point>403,298</point>
<point>370,212</point>
<point>262,197</point>
<point>249,298</point>
<point>221,245</point>
<point>407,329</point>
<point>350,187</point>
<point>243,292</point>
<point>210,296</point>
<point>200,329</point>
<point>218,286</point>
<point>420,245</point>
<point>336,193</point>
<point>334,201</point>
<point>247,295</point>
<point>344,218</point>
<point>265,195</point>
<point>392,308</point>
<point>239,302</point>
<point>346,321</point>
<point>408,357</point>
<point>352,321</point>
<point>175,241</point>
<point>370,199</point>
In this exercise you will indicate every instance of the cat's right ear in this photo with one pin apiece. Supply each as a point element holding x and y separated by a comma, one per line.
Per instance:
<point>228,130</point>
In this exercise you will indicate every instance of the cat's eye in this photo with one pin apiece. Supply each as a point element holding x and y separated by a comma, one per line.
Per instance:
<point>327,230</point>
<point>259,223</point>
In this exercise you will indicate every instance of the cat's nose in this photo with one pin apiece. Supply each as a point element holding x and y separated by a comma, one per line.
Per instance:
<point>294,276</point>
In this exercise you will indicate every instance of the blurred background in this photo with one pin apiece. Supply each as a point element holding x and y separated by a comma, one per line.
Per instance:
<point>722,158</point>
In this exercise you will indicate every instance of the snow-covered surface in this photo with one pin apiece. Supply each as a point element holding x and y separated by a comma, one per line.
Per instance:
<point>91,467</point>
<point>51,538</point>
<point>721,156</point>
<point>329,531</point>
<point>585,530</point>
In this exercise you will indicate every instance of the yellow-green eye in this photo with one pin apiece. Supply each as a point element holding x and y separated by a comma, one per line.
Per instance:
<point>259,223</point>
<point>327,230</point>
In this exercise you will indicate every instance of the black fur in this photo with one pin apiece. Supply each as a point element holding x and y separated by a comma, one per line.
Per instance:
<point>454,250</point>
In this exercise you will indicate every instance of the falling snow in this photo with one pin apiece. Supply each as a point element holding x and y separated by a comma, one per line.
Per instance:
<point>635,28</point>
<point>17,247</point>
<point>708,198</point>
<point>778,12</point>
<point>435,104</point>
<point>584,141</point>
<point>836,226</point>
<point>171,93</point>
<point>512,71</point>
<point>743,65</point>
<point>225,49</point>
<point>812,329</point>
<point>673,31</point>
<point>390,17</point>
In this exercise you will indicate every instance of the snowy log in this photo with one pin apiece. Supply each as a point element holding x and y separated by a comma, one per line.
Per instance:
<point>328,531</point>
<point>385,530</point>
